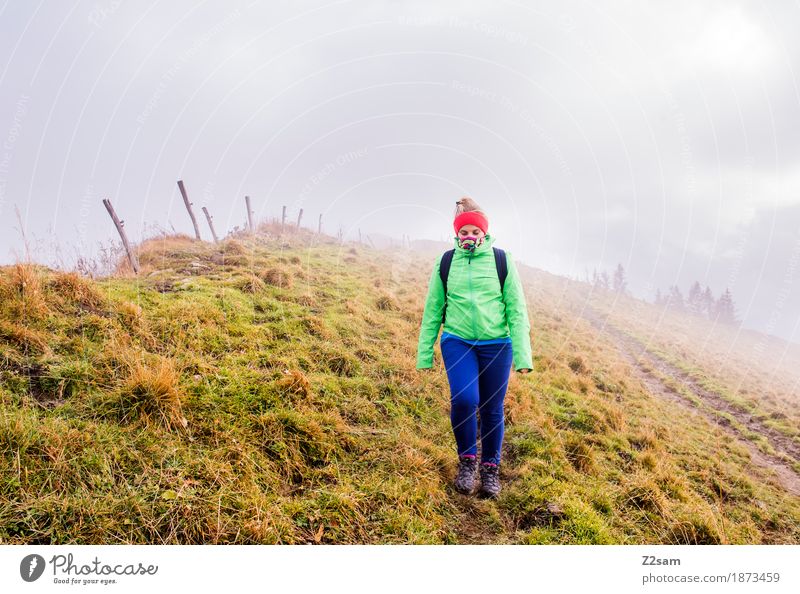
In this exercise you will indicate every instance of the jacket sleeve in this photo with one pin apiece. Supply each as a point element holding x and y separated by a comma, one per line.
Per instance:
<point>431,319</point>
<point>517,316</point>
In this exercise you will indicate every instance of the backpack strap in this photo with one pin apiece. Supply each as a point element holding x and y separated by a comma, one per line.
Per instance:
<point>501,264</point>
<point>444,271</point>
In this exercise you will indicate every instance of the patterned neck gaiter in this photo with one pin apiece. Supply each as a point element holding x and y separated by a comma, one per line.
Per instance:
<point>470,242</point>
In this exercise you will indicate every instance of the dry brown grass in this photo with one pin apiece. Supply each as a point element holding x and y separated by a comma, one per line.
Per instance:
<point>233,247</point>
<point>251,284</point>
<point>387,302</point>
<point>151,392</point>
<point>28,339</point>
<point>277,277</point>
<point>577,364</point>
<point>295,385</point>
<point>23,291</point>
<point>72,287</point>
<point>580,454</point>
<point>644,493</point>
<point>130,313</point>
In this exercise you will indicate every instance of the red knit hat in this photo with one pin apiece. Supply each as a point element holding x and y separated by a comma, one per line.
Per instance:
<point>471,217</point>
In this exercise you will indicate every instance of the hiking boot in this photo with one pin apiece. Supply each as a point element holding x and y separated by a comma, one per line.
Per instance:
<point>490,480</point>
<point>465,479</point>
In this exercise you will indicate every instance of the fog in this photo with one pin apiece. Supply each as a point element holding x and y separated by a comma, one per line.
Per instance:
<point>662,136</point>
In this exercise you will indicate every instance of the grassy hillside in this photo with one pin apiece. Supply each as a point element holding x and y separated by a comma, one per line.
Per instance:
<point>263,390</point>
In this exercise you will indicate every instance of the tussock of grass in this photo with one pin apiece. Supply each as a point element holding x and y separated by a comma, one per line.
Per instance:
<point>150,393</point>
<point>76,290</point>
<point>27,339</point>
<point>387,303</point>
<point>295,386</point>
<point>277,277</point>
<point>251,284</point>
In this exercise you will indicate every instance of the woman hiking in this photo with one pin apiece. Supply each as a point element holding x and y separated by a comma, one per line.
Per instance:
<point>486,332</point>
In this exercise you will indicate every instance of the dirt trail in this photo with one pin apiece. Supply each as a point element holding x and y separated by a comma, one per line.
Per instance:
<point>642,361</point>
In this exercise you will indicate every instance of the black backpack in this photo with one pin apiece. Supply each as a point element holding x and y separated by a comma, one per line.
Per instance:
<point>444,270</point>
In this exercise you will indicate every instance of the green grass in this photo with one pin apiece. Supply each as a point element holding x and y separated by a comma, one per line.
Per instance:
<point>264,391</point>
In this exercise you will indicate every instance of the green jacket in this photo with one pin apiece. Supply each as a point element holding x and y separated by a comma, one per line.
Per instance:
<point>476,309</point>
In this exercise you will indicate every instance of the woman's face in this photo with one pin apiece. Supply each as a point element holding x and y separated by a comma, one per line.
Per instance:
<point>470,231</point>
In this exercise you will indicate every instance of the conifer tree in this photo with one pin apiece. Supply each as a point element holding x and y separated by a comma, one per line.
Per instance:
<point>620,284</point>
<point>694,302</point>
<point>725,309</point>
<point>675,299</point>
<point>708,303</point>
<point>659,297</point>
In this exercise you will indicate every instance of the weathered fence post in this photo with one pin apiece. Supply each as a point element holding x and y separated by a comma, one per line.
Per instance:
<point>119,224</point>
<point>299,216</point>
<point>319,226</point>
<point>283,219</point>
<point>211,225</point>
<point>249,215</point>
<point>359,236</point>
<point>189,208</point>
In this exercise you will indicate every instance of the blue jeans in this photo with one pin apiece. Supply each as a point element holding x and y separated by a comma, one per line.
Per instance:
<point>478,376</point>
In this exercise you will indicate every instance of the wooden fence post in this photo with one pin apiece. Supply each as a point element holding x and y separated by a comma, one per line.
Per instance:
<point>189,208</point>
<point>249,215</point>
<point>299,216</point>
<point>211,225</point>
<point>283,219</point>
<point>319,226</point>
<point>119,224</point>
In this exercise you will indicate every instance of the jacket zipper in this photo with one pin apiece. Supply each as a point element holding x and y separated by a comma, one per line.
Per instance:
<point>471,297</point>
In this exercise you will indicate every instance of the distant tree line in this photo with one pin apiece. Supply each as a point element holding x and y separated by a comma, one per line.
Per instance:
<point>616,283</point>
<point>700,302</point>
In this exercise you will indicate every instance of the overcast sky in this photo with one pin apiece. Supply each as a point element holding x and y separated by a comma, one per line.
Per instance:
<point>662,135</point>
